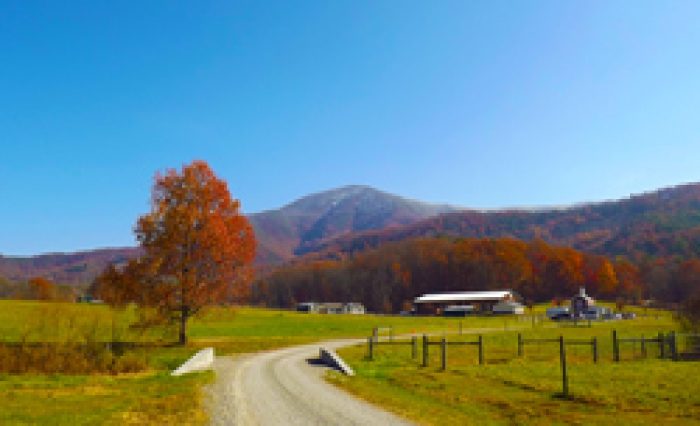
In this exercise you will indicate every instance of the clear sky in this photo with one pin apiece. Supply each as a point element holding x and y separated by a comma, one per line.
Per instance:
<point>479,104</point>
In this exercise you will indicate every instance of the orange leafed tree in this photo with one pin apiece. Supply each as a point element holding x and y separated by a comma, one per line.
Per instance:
<point>42,289</point>
<point>197,248</point>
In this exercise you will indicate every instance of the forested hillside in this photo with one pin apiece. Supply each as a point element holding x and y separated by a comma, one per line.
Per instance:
<point>658,224</point>
<point>386,279</point>
<point>657,228</point>
<point>65,268</point>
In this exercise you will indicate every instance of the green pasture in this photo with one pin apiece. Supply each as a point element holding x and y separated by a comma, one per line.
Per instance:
<point>153,397</point>
<point>527,390</point>
<point>394,380</point>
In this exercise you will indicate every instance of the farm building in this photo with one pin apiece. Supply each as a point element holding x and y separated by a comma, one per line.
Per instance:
<point>581,303</point>
<point>504,301</point>
<point>354,308</point>
<point>331,308</point>
<point>582,306</point>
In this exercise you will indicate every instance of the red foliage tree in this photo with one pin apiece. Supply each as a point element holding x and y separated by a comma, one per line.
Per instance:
<point>197,248</point>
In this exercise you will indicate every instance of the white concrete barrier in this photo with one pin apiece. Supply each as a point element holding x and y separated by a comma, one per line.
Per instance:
<point>201,361</point>
<point>332,359</point>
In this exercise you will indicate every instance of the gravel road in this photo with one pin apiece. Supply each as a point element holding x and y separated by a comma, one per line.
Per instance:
<point>286,387</point>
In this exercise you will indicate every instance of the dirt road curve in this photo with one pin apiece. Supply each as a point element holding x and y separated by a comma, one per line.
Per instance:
<point>283,387</point>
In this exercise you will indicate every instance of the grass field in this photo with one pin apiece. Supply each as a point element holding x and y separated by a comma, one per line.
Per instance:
<point>153,397</point>
<point>504,391</point>
<point>512,390</point>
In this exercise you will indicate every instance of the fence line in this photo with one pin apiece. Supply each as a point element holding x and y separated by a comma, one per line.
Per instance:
<point>372,343</point>
<point>661,340</point>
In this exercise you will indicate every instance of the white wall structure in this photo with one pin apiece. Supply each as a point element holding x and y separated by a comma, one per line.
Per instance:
<point>332,359</point>
<point>200,361</point>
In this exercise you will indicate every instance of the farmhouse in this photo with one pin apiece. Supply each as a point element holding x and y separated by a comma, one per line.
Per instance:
<point>497,301</point>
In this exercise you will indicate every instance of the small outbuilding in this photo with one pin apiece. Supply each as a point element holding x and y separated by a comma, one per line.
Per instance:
<point>331,308</point>
<point>307,307</point>
<point>354,308</point>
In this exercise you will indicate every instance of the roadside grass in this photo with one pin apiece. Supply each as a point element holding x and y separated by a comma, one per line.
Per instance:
<point>527,390</point>
<point>142,398</point>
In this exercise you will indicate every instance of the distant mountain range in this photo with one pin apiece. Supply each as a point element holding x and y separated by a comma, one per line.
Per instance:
<point>282,234</point>
<point>352,218</point>
<point>661,223</point>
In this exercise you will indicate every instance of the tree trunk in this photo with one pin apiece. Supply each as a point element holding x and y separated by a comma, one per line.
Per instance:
<point>184,315</point>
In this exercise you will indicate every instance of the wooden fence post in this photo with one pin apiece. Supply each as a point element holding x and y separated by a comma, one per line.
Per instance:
<point>443,346</point>
<point>674,347</point>
<point>643,347</point>
<point>594,344</point>
<point>370,344</point>
<point>662,345</point>
<point>616,347</point>
<point>562,356</point>
<point>425,350</point>
<point>481,349</point>
<point>520,344</point>
<point>414,347</point>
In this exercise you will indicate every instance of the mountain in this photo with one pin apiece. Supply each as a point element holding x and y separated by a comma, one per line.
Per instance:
<point>315,219</point>
<point>348,219</point>
<point>661,223</point>
<point>281,234</point>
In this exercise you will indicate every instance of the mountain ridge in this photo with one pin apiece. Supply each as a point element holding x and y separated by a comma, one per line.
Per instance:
<point>281,233</point>
<point>664,222</point>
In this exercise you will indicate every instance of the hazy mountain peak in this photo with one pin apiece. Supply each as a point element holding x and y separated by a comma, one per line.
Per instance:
<point>327,214</point>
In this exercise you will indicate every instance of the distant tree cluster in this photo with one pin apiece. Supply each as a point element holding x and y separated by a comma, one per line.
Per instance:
<point>679,280</point>
<point>387,278</point>
<point>37,288</point>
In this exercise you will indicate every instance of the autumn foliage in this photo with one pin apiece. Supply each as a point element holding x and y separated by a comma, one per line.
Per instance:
<point>197,248</point>
<point>41,288</point>
<point>385,279</point>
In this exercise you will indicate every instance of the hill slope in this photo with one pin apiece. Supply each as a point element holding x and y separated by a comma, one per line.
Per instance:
<point>660,223</point>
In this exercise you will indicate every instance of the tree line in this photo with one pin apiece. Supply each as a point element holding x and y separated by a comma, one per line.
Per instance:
<point>37,288</point>
<point>388,278</point>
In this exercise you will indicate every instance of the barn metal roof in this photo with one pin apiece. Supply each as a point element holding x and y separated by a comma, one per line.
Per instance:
<point>464,296</point>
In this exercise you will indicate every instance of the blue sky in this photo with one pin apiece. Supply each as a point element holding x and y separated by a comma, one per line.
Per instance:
<point>480,104</point>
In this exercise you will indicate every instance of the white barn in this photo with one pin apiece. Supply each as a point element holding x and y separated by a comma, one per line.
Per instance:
<point>505,301</point>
